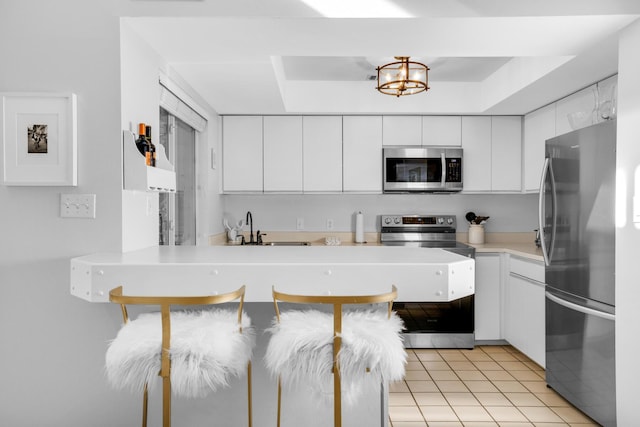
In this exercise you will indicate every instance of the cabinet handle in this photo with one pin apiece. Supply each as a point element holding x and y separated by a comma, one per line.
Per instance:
<point>528,279</point>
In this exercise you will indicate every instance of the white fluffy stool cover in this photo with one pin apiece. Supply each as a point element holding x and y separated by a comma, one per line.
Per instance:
<point>301,351</point>
<point>206,350</point>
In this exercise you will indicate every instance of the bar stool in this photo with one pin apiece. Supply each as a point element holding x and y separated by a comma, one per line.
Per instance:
<point>196,351</point>
<point>356,346</point>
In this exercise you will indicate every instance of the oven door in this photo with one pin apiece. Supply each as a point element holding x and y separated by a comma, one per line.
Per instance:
<point>438,325</point>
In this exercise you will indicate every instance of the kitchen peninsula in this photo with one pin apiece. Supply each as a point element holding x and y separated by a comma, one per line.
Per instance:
<point>420,274</point>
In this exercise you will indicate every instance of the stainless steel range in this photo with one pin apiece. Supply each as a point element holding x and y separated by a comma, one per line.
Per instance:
<point>429,324</point>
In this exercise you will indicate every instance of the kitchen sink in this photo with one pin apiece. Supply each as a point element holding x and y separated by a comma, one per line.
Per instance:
<point>286,244</point>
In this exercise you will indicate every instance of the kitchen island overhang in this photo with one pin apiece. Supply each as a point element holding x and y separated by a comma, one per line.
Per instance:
<point>420,274</point>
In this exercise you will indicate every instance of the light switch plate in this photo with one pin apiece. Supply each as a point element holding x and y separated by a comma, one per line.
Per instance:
<point>78,205</point>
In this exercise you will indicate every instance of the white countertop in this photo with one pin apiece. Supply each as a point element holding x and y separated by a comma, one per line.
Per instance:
<point>253,255</point>
<point>421,274</point>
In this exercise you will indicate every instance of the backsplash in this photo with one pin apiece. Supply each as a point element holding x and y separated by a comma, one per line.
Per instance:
<point>281,212</point>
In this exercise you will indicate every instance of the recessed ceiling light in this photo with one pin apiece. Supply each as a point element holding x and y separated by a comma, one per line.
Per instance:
<point>357,8</point>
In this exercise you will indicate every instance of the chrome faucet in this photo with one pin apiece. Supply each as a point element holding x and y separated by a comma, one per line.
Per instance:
<point>249,221</point>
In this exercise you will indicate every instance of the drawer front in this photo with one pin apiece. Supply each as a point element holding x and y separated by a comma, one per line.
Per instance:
<point>531,269</point>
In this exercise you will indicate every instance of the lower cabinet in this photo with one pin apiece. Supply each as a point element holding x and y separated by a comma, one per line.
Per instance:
<point>524,308</point>
<point>488,299</point>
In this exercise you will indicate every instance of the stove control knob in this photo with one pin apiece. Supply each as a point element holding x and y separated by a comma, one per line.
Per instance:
<point>440,220</point>
<point>387,220</point>
<point>449,221</point>
<point>396,220</point>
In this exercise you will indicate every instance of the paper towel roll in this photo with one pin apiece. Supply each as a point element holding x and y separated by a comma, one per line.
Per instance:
<point>359,227</point>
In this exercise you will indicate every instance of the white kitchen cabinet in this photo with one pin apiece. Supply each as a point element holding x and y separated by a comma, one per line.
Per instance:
<point>506,153</point>
<point>282,138</point>
<point>576,111</point>
<point>488,297</point>
<point>362,154</point>
<point>524,317</point>
<point>242,154</point>
<point>607,99</point>
<point>401,130</point>
<point>539,126</point>
<point>442,130</point>
<point>476,161</point>
<point>322,153</point>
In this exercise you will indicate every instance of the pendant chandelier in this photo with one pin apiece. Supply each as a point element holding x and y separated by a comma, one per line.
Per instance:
<point>403,77</point>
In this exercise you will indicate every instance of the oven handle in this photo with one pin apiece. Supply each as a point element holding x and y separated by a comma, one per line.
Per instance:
<point>444,171</point>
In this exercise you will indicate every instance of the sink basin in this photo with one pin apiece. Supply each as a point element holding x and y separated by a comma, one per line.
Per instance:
<point>287,244</point>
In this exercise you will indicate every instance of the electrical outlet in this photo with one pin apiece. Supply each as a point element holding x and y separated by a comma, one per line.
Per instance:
<point>300,224</point>
<point>78,205</point>
<point>329,224</point>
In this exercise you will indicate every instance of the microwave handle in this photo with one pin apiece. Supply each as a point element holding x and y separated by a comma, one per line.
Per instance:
<point>443,178</point>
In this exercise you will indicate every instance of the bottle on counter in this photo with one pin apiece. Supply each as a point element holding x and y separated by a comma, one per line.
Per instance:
<point>151,152</point>
<point>141,142</point>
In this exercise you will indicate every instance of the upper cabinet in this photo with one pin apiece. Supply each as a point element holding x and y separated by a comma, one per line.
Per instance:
<point>476,161</point>
<point>282,139</point>
<point>594,104</point>
<point>402,130</point>
<point>362,154</point>
<point>322,153</point>
<point>539,126</point>
<point>442,130</point>
<point>242,154</point>
<point>492,153</point>
<point>506,153</point>
<point>577,111</point>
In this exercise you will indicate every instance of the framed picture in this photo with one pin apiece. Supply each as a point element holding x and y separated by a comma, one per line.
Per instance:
<point>39,139</point>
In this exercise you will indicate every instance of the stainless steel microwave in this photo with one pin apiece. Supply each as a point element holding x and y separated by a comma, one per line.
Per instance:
<point>421,169</point>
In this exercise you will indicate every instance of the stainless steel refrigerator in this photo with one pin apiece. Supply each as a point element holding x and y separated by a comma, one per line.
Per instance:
<point>577,198</point>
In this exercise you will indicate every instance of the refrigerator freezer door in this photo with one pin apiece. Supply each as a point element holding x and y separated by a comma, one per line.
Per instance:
<point>580,356</point>
<point>577,212</point>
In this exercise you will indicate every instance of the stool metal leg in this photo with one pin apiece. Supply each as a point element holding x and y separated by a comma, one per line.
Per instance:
<point>249,393</point>
<point>279,399</point>
<point>145,405</point>
<point>337,342</point>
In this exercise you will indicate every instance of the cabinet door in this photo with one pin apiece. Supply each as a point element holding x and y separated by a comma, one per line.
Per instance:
<point>362,153</point>
<point>576,111</point>
<point>322,153</point>
<point>283,153</point>
<point>539,126</point>
<point>442,130</point>
<point>476,161</point>
<point>401,130</point>
<point>506,153</point>
<point>488,323</point>
<point>524,320</point>
<point>242,153</point>
<point>607,99</point>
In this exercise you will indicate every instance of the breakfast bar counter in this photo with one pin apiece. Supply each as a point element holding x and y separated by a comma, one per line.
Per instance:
<point>420,274</point>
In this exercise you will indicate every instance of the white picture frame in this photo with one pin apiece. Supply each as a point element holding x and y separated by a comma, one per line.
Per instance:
<point>39,139</point>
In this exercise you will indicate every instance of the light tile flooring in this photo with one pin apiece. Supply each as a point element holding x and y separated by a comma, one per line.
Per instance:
<point>486,386</point>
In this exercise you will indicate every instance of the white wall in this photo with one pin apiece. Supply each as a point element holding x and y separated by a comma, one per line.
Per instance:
<point>140,66</point>
<point>628,233</point>
<point>508,213</point>
<point>53,344</point>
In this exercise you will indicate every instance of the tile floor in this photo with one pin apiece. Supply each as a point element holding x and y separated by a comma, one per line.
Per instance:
<point>486,386</point>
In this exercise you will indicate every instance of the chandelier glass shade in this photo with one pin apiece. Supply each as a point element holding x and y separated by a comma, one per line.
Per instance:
<point>403,77</point>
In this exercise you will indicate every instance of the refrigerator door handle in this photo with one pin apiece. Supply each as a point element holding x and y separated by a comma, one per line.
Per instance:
<point>580,308</point>
<point>543,243</point>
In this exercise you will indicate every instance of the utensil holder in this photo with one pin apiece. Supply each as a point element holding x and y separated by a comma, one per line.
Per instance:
<point>476,234</point>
